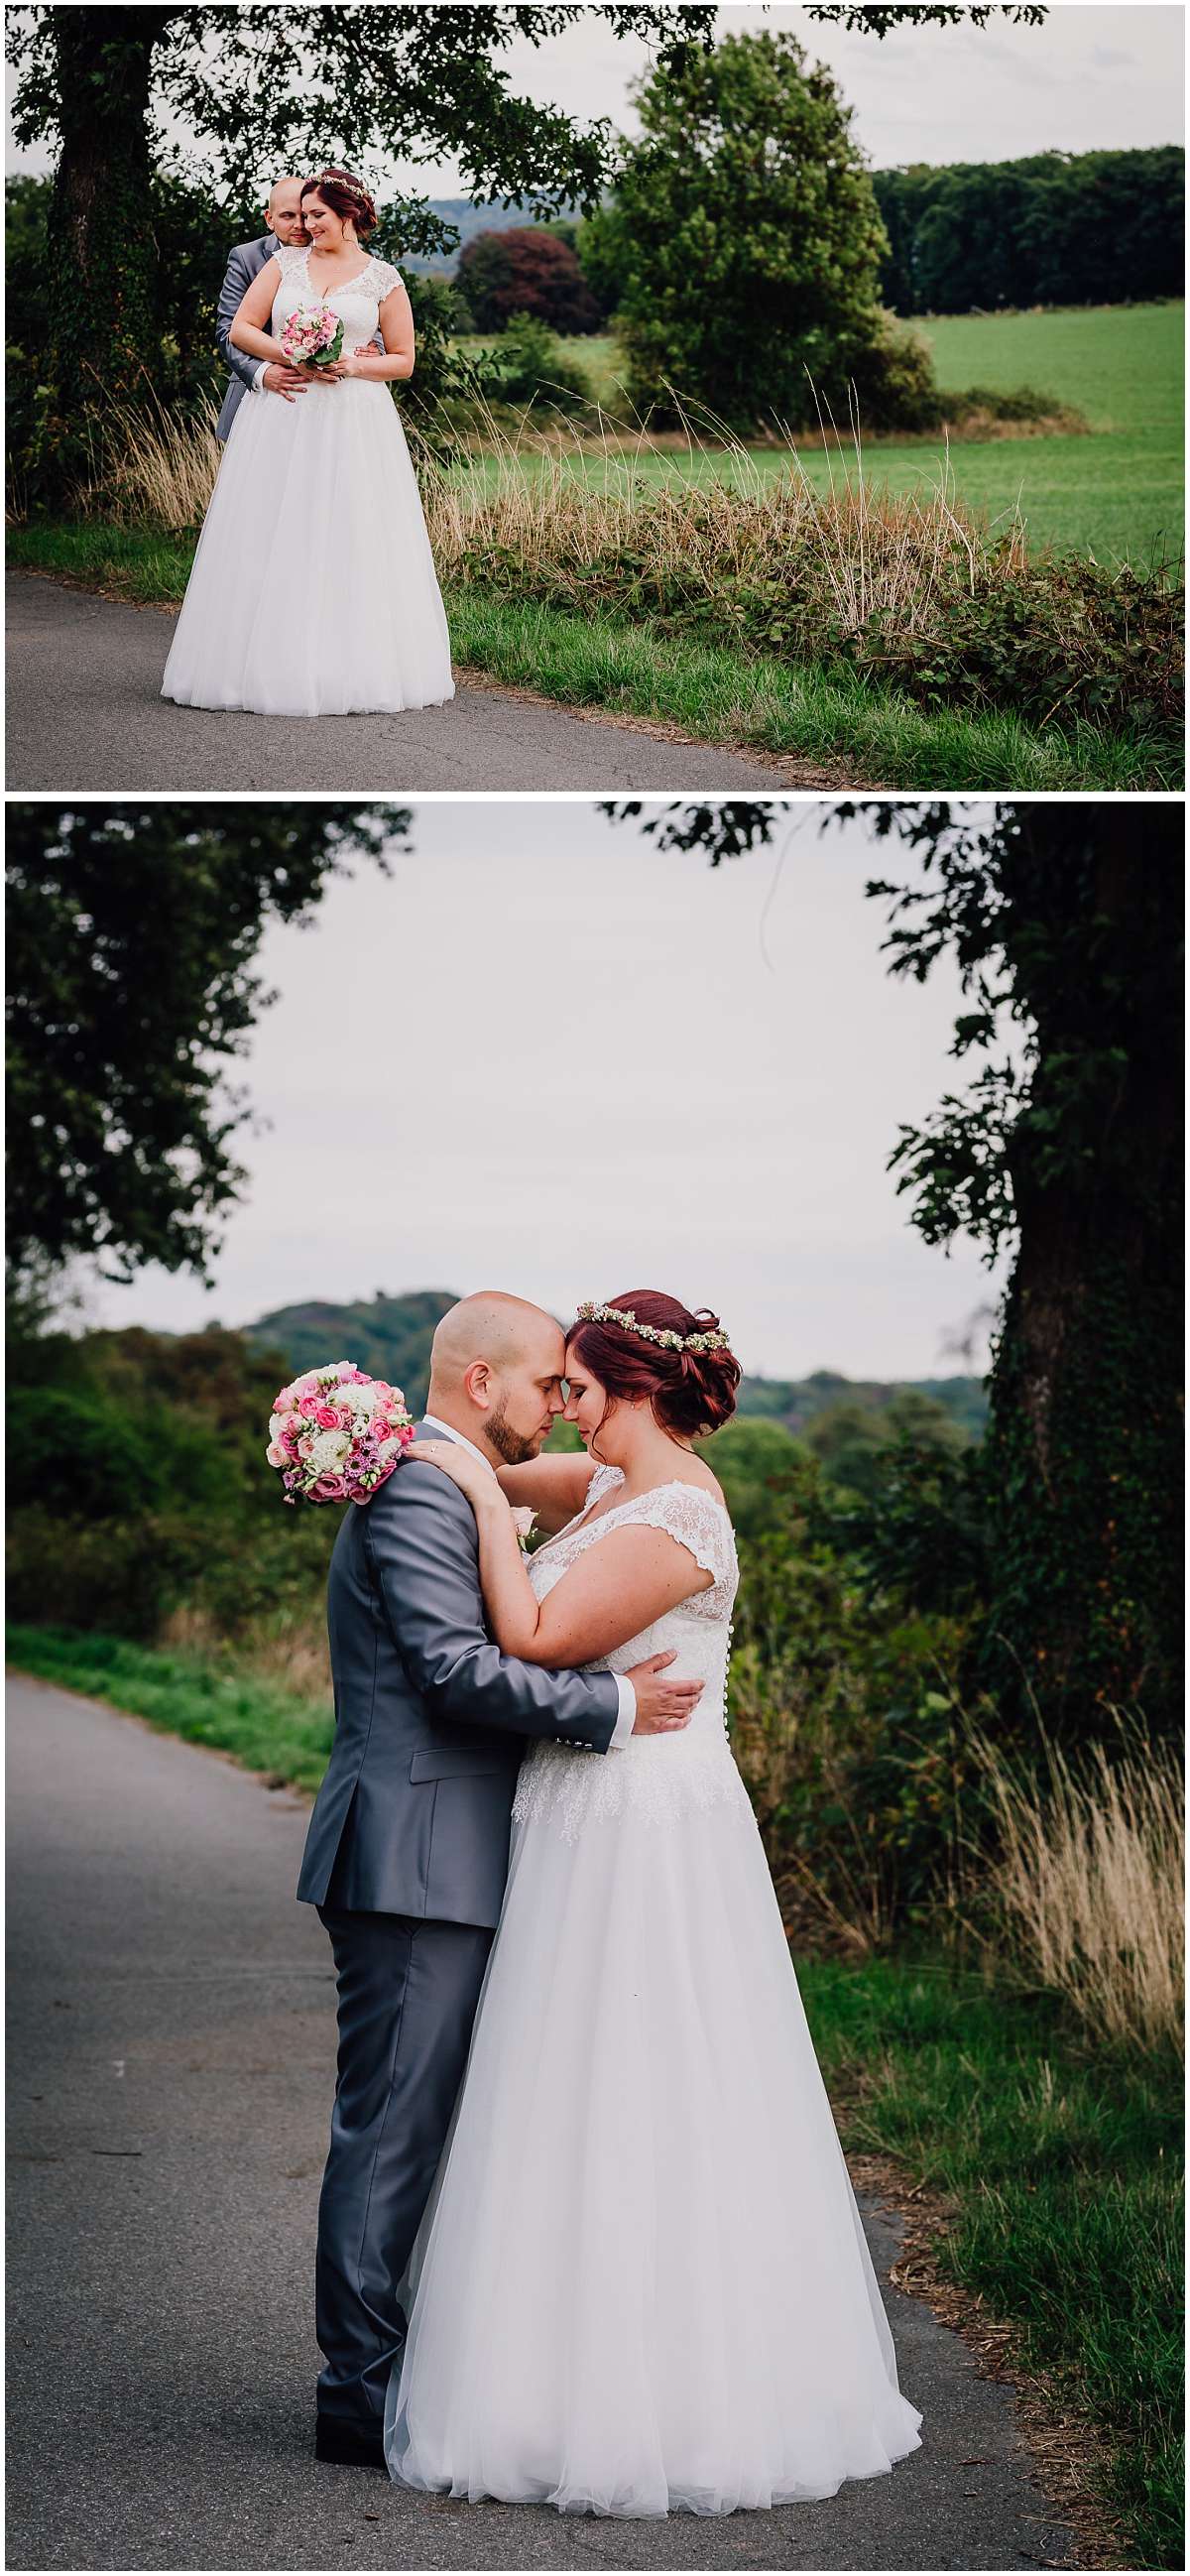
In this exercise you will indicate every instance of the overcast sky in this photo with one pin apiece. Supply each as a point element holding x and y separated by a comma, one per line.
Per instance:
<point>1090,77</point>
<point>544,1057</point>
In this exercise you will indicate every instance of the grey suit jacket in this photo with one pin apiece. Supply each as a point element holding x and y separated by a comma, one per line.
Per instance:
<point>245,263</point>
<point>430,1718</point>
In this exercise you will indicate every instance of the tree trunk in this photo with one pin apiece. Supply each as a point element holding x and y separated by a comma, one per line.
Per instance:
<point>1084,1444</point>
<point>102,248</point>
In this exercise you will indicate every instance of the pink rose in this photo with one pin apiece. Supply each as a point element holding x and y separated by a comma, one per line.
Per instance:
<point>309,1406</point>
<point>276,1455</point>
<point>305,1447</point>
<point>327,1418</point>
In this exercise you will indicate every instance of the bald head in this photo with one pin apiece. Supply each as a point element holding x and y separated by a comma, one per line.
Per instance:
<point>283,213</point>
<point>495,1373</point>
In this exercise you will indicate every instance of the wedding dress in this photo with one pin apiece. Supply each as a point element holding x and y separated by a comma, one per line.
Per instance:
<point>642,2282</point>
<point>313,589</point>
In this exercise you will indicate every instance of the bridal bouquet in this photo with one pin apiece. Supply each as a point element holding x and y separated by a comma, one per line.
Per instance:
<point>336,1434</point>
<point>312,337</point>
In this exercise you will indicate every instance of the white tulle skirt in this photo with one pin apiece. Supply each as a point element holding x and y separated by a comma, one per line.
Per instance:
<point>313,589</point>
<point>642,2282</point>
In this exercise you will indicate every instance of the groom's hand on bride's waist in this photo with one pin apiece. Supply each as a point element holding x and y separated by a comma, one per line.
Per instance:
<point>662,1702</point>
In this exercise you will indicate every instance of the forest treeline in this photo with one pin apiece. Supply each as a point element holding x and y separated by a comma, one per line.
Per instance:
<point>1057,228</point>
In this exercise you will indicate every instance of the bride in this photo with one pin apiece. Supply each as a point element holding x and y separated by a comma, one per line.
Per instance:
<point>313,589</point>
<point>641,2281</point>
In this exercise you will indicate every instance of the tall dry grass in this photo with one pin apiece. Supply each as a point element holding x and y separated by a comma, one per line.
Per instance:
<point>909,589</point>
<point>1089,1884</point>
<point>157,464</point>
<point>290,1650</point>
<point>561,511</point>
<point>560,508</point>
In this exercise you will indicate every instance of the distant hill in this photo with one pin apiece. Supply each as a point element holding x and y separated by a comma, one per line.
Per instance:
<point>391,1337</point>
<point>468,221</point>
<point>795,1401</point>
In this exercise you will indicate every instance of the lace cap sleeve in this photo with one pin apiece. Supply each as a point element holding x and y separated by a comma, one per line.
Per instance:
<point>601,1483</point>
<point>288,256</point>
<point>382,277</point>
<point>699,1524</point>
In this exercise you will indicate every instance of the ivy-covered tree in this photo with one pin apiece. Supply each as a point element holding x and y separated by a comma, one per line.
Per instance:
<point>1065,924</point>
<point>133,933</point>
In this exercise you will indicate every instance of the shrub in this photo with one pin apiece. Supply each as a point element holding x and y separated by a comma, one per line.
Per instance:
<point>122,1574</point>
<point>534,370</point>
<point>893,379</point>
<point>845,1723</point>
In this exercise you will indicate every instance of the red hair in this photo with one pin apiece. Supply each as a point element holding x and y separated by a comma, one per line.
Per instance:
<point>691,1392</point>
<point>347,195</point>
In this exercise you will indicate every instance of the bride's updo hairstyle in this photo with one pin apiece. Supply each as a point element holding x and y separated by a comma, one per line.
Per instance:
<point>348,196</point>
<point>691,1392</point>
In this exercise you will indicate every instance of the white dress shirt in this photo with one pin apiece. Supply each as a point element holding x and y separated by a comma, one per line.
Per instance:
<point>626,1719</point>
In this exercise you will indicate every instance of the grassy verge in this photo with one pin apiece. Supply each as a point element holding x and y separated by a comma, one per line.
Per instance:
<point>1062,2164</point>
<point>845,728</point>
<point>1064,2169</point>
<point>276,1732</point>
<point>852,732</point>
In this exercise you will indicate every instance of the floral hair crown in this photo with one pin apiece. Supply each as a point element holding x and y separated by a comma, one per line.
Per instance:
<point>344,179</point>
<point>589,1313</point>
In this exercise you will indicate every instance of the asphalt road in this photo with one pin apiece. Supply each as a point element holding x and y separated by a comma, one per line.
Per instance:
<point>170,2066</point>
<point>85,710</point>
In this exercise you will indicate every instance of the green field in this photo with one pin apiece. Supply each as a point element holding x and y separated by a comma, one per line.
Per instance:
<point>1117,494</point>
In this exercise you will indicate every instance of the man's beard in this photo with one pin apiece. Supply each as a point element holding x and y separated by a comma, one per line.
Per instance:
<point>508,1444</point>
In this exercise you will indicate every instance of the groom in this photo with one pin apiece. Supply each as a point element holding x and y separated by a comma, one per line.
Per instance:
<point>407,1851</point>
<point>283,223</point>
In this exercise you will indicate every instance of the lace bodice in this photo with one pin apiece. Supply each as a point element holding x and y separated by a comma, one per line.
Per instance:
<point>358,301</point>
<point>660,1776</point>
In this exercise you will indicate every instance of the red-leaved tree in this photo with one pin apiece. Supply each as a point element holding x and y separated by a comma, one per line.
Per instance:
<point>526,270</point>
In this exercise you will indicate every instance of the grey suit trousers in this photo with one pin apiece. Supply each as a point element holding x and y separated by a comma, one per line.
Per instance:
<point>408,1990</point>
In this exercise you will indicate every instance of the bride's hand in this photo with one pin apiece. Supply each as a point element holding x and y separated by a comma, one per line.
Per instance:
<point>473,1479</point>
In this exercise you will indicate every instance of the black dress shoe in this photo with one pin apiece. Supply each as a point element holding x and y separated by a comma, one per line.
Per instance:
<point>353,2446</point>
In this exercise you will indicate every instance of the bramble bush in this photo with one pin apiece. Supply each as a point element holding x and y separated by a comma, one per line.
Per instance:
<point>907,589</point>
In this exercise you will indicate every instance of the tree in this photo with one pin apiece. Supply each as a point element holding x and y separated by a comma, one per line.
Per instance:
<point>133,932</point>
<point>111,85</point>
<point>878,19</point>
<point>1065,923</point>
<point>526,270</point>
<point>750,237</point>
<point>600,246</point>
<point>1056,228</point>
